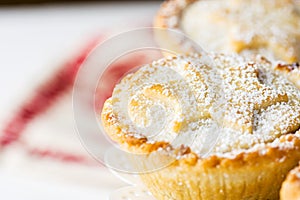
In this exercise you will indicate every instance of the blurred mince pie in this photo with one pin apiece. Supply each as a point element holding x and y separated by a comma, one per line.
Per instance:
<point>267,27</point>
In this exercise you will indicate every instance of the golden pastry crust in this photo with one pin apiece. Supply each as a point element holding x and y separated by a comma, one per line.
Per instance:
<point>233,171</point>
<point>246,176</point>
<point>249,175</point>
<point>291,186</point>
<point>170,13</point>
<point>291,71</point>
<point>280,40</point>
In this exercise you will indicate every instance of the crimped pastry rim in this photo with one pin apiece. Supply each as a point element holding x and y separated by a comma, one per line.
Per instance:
<point>171,9</point>
<point>187,157</point>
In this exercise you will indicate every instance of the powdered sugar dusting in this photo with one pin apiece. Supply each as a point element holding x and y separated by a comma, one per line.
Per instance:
<point>246,103</point>
<point>269,27</point>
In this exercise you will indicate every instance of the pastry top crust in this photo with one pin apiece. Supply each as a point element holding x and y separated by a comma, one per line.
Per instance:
<point>291,71</point>
<point>270,28</point>
<point>252,109</point>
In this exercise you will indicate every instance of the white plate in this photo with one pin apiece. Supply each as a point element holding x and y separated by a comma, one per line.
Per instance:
<point>137,190</point>
<point>131,193</point>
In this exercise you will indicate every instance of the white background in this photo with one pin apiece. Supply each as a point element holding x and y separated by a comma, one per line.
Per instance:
<point>35,40</point>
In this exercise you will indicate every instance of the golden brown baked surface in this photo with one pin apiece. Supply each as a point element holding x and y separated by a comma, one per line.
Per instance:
<point>270,27</point>
<point>249,104</point>
<point>291,186</point>
<point>258,105</point>
<point>291,71</point>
